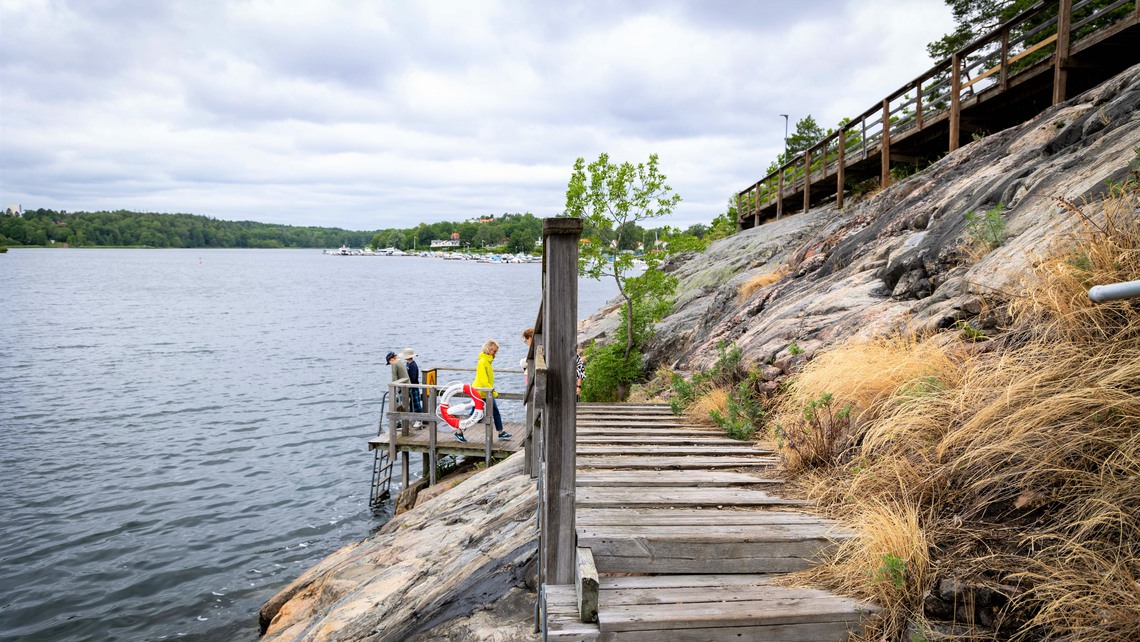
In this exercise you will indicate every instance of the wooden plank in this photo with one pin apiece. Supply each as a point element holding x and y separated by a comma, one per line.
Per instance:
<point>661,440</point>
<point>653,478</point>
<point>586,585</point>
<point>649,450</point>
<point>715,593</point>
<point>767,612</point>
<point>590,496</point>
<point>681,581</point>
<point>665,462</point>
<point>810,632</point>
<point>639,554</point>
<point>682,516</point>
<point>720,533</point>
<point>648,432</point>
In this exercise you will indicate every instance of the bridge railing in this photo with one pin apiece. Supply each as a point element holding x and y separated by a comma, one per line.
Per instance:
<point>1040,34</point>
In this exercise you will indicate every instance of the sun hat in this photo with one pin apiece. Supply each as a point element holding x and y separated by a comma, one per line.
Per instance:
<point>407,353</point>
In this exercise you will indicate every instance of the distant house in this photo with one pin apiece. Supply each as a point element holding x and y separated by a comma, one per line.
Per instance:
<point>14,210</point>
<point>487,219</point>
<point>455,236</point>
<point>436,243</point>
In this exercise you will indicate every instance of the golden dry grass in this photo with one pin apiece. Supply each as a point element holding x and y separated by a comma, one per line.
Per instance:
<point>749,287</point>
<point>1020,463</point>
<point>714,399</point>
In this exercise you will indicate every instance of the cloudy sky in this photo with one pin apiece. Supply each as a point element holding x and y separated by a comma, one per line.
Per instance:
<point>370,114</point>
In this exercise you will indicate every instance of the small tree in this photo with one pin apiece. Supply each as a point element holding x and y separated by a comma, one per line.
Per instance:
<point>612,199</point>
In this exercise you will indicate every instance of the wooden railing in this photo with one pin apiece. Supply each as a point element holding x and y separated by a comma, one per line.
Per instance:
<point>550,400</point>
<point>994,61</point>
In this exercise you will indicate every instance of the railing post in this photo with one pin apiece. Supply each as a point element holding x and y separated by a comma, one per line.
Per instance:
<point>807,180</point>
<point>739,213</point>
<point>560,325</point>
<point>918,105</point>
<point>839,169</point>
<point>1003,75</point>
<point>955,100</point>
<point>1061,55</point>
<point>780,196</point>
<point>432,425</point>
<point>885,149</point>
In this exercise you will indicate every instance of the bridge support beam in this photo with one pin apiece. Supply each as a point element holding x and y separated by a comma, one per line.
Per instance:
<point>885,152</point>
<point>807,180</point>
<point>1061,56</point>
<point>955,100</point>
<point>839,169</point>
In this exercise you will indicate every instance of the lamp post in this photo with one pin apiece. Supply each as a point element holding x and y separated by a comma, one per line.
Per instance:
<point>785,137</point>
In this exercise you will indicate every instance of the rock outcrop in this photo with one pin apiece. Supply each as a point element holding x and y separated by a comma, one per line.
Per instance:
<point>904,256</point>
<point>454,568</point>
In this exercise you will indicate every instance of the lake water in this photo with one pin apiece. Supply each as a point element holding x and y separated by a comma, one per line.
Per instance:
<point>184,430</point>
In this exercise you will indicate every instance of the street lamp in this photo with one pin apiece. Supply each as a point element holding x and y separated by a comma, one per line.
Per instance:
<point>785,137</point>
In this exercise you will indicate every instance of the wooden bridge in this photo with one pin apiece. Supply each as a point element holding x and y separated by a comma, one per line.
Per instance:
<point>652,527</point>
<point>1038,58</point>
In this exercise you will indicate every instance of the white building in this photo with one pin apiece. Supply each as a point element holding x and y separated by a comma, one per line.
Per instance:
<point>449,243</point>
<point>14,210</point>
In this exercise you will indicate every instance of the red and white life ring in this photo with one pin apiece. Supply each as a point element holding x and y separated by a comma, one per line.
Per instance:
<point>450,413</point>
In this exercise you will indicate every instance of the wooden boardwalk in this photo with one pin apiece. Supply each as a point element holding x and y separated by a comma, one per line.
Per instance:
<point>685,529</point>
<point>418,440</point>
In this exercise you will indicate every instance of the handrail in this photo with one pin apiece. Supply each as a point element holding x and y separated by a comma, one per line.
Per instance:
<point>871,128</point>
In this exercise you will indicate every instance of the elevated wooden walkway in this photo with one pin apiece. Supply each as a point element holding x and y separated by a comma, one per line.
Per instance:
<point>1053,50</point>
<point>685,530</point>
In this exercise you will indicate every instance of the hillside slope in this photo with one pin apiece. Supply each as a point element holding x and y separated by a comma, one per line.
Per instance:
<point>904,255</point>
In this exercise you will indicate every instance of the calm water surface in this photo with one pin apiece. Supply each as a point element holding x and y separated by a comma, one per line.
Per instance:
<point>184,430</point>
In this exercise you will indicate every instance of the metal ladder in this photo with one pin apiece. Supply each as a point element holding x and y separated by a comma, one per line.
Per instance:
<point>381,467</point>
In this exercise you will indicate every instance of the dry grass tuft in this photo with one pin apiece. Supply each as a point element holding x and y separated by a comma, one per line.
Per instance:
<point>1017,465</point>
<point>714,399</point>
<point>749,287</point>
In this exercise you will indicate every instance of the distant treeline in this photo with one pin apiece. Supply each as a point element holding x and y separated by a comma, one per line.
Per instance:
<point>146,229</point>
<point>122,228</point>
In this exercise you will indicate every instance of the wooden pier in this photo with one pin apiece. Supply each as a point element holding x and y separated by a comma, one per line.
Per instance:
<point>685,550</point>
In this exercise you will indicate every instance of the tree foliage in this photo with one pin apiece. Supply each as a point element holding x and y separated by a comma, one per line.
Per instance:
<point>612,199</point>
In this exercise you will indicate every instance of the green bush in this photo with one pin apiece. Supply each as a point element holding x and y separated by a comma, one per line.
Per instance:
<point>609,373</point>
<point>987,229</point>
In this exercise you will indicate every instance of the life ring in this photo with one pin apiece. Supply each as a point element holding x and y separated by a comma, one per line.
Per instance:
<point>450,413</point>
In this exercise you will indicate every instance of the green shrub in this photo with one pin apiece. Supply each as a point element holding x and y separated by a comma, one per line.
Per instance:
<point>608,372</point>
<point>987,229</point>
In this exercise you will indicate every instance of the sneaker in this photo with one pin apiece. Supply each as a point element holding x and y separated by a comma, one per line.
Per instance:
<point>504,435</point>
<point>460,438</point>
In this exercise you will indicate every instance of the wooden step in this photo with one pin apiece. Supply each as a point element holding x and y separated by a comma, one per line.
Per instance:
<point>695,478</point>
<point>699,608</point>
<point>649,496</point>
<point>648,450</point>
<point>747,548</point>
<point>678,462</point>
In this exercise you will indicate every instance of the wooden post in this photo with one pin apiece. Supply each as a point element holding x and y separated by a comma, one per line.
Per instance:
<point>739,213</point>
<point>955,100</point>
<point>1061,55</point>
<point>488,431</point>
<point>839,169</point>
<point>807,180</point>
<point>1003,75</point>
<point>432,424</point>
<point>885,150</point>
<point>864,122</point>
<point>780,196</point>
<point>560,309</point>
<point>391,425</point>
<point>918,105</point>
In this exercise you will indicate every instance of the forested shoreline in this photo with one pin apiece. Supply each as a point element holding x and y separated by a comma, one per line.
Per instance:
<point>123,228</point>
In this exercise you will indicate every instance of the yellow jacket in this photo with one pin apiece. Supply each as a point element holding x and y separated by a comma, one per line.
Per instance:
<point>484,373</point>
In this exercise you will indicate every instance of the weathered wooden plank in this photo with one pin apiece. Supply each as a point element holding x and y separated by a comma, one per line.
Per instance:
<point>694,516</point>
<point>648,432</point>
<point>665,462</point>
<point>592,496</point>
<point>683,581</point>
<point>653,478</point>
<point>632,555</point>
<point>767,612</point>
<point>586,585</point>
<point>562,621</point>
<point>719,533</point>
<point>652,450</point>
<point>714,593</point>
<point>813,632</point>
<point>661,440</point>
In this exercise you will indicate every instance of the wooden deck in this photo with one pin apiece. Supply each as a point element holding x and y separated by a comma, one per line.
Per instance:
<point>418,441</point>
<point>695,526</point>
